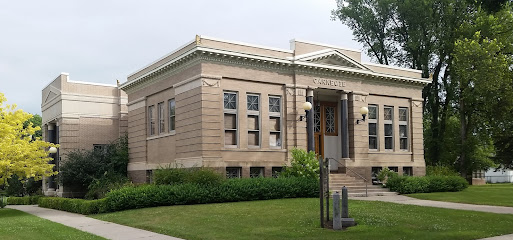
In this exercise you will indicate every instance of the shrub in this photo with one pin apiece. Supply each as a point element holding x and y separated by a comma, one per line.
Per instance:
<point>231,190</point>
<point>80,206</point>
<point>201,176</point>
<point>386,174</point>
<point>3,201</point>
<point>27,200</point>
<point>99,187</point>
<point>303,164</point>
<point>406,185</point>
<point>82,167</point>
<point>21,187</point>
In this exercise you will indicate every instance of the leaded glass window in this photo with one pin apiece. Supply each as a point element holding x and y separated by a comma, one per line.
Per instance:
<point>255,172</point>
<point>160,107</point>
<point>253,101</point>
<point>274,104</point>
<point>230,120</point>
<point>233,172</point>
<point>230,100</point>
<point>388,113</point>
<point>317,118</point>
<point>330,120</point>
<point>275,136</point>
<point>151,120</point>
<point>253,120</point>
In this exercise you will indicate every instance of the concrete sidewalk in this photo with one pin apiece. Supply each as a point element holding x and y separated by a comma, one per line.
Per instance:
<point>429,203</point>
<point>97,227</point>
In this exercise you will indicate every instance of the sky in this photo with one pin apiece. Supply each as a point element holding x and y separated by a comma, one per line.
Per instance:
<point>101,41</point>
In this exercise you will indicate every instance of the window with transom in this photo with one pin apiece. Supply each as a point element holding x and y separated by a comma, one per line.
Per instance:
<point>171,105</point>
<point>253,120</point>
<point>403,128</point>
<point>160,107</point>
<point>373,126</point>
<point>230,119</point>
<point>388,120</point>
<point>151,120</point>
<point>275,134</point>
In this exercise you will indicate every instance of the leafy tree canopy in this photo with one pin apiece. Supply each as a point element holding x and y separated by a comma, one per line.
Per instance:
<point>19,155</point>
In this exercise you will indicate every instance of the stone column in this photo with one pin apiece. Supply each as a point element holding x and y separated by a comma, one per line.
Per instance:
<point>345,125</point>
<point>310,122</point>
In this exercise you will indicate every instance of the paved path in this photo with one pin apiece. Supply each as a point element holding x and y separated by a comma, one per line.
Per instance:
<point>97,227</point>
<point>429,203</point>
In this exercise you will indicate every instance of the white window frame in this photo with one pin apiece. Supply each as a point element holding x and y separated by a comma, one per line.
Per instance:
<point>404,123</point>
<point>160,117</point>
<point>374,121</point>
<point>151,120</point>
<point>257,114</point>
<point>172,115</point>
<point>233,112</point>
<point>277,115</point>
<point>391,123</point>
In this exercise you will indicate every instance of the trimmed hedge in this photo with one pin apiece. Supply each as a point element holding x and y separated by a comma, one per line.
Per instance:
<point>27,200</point>
<point>201,176</point>
<point>426,184</point>
<point>73,205</point>
<point>232,190</point>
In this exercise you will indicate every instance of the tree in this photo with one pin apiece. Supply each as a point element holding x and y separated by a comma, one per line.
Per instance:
<point>428,35</point>
<point>36,121</point>
<point>19,154</point>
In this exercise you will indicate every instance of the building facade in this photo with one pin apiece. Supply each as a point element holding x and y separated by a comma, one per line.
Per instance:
<point>238,108</point>
<point>80,115</point>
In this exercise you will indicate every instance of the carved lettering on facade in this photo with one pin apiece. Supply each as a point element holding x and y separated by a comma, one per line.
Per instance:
<point>329,82</point>
<point>210,83</point>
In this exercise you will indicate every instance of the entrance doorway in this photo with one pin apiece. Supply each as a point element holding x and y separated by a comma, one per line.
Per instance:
<point>325,124</point>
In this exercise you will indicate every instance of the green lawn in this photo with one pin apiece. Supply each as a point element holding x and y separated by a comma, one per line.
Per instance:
<point>298,219</point>
<point>489,194</point>
<point>16,224</point>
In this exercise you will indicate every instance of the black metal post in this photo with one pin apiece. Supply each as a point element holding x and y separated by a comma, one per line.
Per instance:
<point>310,122</point>
<point>52,139</point>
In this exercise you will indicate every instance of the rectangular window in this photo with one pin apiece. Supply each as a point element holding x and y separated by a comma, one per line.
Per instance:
<point>275,137</point>
<point>407,171</point>
<point>276,171</point>
<point>233,172</point>
<point>255,172</point>
<point>394,169</point>
<point>403,128</point>
<point>374,174</point>
<point>171,104</point>
<point>388,119</point>
<point>253,105</point>
<point>373,127</point>
<point>230,119</point>
<point>160,107</point>
<point>151,120</point>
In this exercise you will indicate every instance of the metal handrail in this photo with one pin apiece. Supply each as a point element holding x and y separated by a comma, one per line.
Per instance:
<point>357,174</point>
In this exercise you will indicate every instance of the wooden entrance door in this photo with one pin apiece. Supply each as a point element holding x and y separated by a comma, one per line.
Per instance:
<point>325,123</point>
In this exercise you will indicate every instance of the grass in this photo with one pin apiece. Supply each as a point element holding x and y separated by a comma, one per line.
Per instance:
<point>16,224</point>
<point>299,219</point>
<point>489,194</point>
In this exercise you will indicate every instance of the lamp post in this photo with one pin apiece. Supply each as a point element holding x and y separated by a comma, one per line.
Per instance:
<point>364,111</point>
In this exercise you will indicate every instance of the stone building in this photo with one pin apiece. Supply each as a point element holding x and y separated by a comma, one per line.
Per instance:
<point>80,115</point>
<point>238,108</point>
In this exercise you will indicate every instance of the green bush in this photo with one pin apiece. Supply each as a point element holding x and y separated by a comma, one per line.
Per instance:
<point>17,187</point>
<point>303,164</point>
<point>201,176</point>
<point>231,190</point>
<point>80,206</point>
<point>27,200</point>
<point>99,187</point>
<point>83,167</point>
<point>3,201</point>
<point>386,174</point>
<point>407,185</point>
